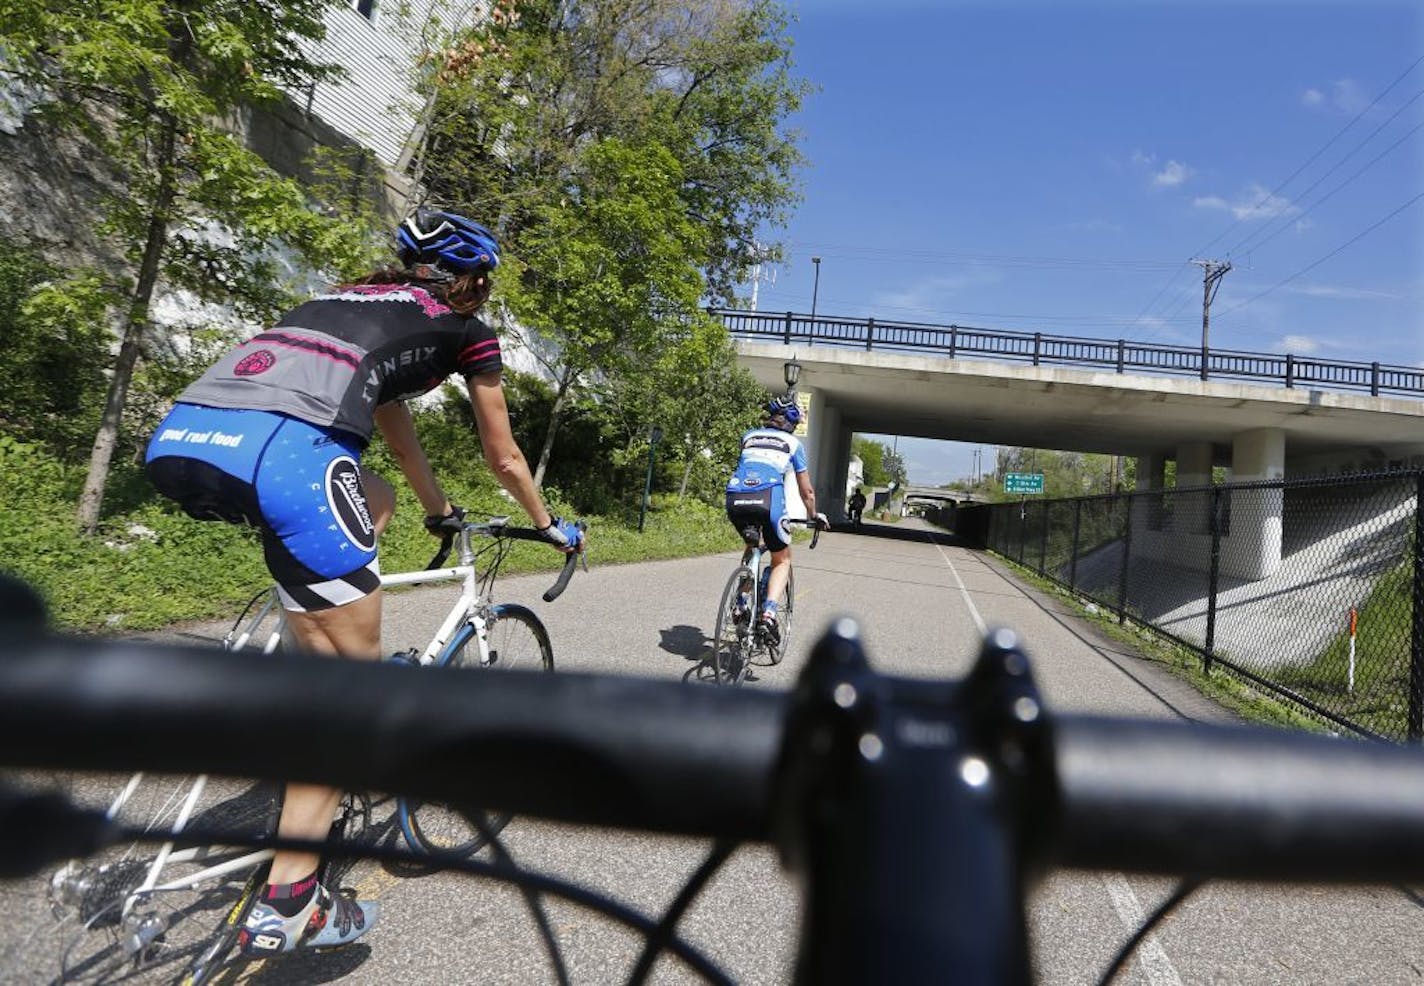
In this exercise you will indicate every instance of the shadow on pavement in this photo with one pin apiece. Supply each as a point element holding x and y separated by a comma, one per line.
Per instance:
<point>894,532</point>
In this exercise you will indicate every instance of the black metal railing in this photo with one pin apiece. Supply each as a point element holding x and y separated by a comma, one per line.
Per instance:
<point>1043,349</point>
<point>1312,590</point>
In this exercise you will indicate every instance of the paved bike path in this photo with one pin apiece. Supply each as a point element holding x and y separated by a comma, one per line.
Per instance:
<point>921,606</point>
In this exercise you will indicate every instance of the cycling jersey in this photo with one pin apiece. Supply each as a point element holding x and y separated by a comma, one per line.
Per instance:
<point>272,434</point>
<point>332,360</point>
<point>756,491</point>
<point>770,457</point>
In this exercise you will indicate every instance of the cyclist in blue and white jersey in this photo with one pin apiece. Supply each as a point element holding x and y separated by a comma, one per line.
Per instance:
<point>756,495</point>
<point>272,436</point>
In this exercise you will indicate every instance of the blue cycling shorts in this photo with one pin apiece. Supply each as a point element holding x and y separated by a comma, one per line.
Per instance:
<point>762,511</point>
<point>298,484</point>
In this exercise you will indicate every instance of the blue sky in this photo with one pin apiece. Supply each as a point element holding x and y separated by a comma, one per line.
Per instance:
<point>1056,166</point>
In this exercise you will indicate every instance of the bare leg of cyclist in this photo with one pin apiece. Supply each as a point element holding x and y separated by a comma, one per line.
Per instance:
<point>780,573</point>
<point>350,631</point>
<point>295,909</point>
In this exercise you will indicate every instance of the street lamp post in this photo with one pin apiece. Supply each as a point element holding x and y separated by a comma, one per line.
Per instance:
<point>791,372</point>
<point>653,439</point>
<point>815,290</point>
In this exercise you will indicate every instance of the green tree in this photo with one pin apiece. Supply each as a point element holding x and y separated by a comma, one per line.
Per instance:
<point>602,279</point>
<point>514,100</point>
<point>697,394</point>
<point>53,358</point>
<point>148,82</point>
<point>628,153</point>
<point>872,460</point>
<point>895,468</point>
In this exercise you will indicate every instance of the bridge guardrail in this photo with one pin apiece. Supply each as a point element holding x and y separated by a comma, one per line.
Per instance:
<point>1039,349</point>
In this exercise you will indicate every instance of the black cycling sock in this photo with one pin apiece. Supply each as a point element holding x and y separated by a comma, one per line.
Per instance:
<point>288,899</point>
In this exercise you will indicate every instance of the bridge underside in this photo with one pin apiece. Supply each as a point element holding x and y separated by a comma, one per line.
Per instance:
<point>1041,407</point>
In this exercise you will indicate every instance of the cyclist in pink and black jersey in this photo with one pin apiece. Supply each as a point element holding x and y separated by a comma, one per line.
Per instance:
<point>272,435</point>
<point>756,494</point>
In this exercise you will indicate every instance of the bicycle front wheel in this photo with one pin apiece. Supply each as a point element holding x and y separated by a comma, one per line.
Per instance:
<point>731,637</point>
<point>517,641</point>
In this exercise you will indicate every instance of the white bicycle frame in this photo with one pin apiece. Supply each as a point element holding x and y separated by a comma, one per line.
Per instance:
<point>466,608</point>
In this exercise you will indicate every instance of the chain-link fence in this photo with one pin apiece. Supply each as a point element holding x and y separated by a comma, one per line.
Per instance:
<point>1311,589</point>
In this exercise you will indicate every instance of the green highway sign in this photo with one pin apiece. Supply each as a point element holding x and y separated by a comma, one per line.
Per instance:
<point>1023,482</point>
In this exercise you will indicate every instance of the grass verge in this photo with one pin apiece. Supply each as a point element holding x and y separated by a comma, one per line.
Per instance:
<point>1221,686</point>
<point>150,566</point>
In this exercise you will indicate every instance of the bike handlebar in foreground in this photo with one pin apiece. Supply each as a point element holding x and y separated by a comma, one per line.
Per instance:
<point>913,811</point>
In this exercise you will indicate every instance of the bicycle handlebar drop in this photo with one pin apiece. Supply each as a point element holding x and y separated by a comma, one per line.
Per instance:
<point>912,811</point>
<point>498,527</point>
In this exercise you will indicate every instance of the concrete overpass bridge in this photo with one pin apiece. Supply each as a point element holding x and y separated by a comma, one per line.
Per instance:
<point>939,495</point>
<point>1262,416</point>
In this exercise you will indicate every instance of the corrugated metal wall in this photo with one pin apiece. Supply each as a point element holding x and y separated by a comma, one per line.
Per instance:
<point>377,103</point>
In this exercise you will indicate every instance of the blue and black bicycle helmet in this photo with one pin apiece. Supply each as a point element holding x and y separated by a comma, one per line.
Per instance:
<point>449,242</point>
<point>785,407</point>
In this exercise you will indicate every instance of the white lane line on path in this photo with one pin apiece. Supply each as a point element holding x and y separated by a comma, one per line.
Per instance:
<point>973,610</point>
<point>1151,957</point>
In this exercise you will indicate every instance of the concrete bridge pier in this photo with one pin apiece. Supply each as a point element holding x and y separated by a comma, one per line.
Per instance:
<point>827,454</point>
<point>1251,547</point>
<point>1253,551</point>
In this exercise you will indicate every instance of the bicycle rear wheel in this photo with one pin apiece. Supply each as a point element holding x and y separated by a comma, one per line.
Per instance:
<point>732,634</point>
<point>517,641</point>
<point>96,928</point>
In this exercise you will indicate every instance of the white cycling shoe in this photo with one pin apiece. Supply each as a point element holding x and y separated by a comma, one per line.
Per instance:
<point>328,921</point>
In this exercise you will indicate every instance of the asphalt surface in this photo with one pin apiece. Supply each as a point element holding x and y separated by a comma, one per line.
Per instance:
<point>922,607</point>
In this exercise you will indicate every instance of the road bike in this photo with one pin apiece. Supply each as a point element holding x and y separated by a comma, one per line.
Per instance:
<point>912,813</point>
<point>133,910</point>
<point>476,632</point>
<point>739,641</point>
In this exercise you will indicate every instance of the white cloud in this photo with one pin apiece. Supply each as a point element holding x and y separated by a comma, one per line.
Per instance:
<point>1344,96</point>
<point>1169,175</point>
<point>1254,203</point>
<point>1172,175</point>
<point>1303,345</point>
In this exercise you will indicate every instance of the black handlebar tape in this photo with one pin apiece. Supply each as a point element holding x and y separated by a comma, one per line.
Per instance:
<point>660,756</point>
<point>1145,796</point>
<point>1237,803</point>
<point>447,541</point>
<point>557,589</point>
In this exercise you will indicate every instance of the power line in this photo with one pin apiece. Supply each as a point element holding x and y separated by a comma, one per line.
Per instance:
<point>1267,197</point>
<point>1307,269</point>
<point>1296,217</point>
<point>954,313</point>
<point>1324,147</point>
<point>983,260</point>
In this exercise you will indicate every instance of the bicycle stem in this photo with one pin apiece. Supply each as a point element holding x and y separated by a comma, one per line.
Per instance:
<point>854,822</point>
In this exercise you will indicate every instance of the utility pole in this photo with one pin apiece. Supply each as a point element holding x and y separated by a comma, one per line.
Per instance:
<point>1212,273</point>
